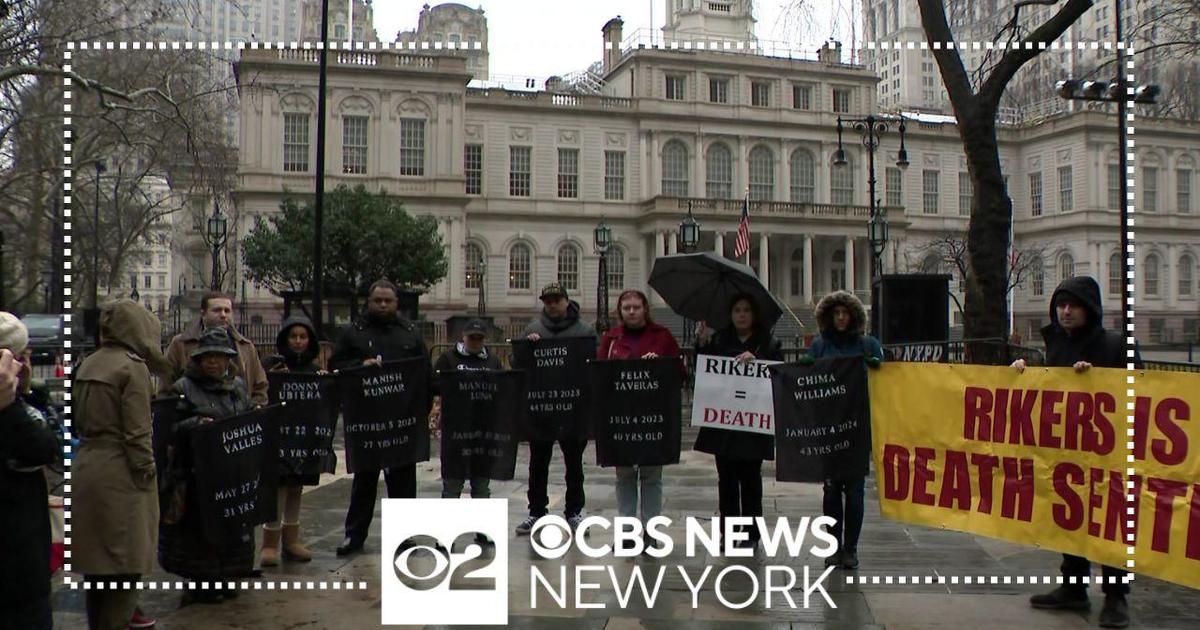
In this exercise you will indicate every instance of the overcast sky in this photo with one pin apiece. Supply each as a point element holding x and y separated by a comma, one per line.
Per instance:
<point>539,38</point>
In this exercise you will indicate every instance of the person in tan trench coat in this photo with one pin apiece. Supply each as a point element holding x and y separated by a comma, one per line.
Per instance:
<point>114,511</point>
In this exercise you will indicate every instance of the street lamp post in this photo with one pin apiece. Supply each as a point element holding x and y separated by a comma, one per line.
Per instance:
<point>133,294</point>
<point>481,270</point>
<point>872,129</point>
<point>96,240</point>
<point>689,236</point>
<point>602,241</point>
<point>215,235</point>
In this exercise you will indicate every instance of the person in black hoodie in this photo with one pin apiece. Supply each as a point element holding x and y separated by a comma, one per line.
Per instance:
<point>739,454</point>
<point>468,354</point>
<point>299,351</point>
<point>1076,338</point>
<point>380,335</point>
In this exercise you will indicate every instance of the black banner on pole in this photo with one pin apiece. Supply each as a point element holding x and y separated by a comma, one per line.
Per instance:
<point>635,411</point>
<point>385,413</point>
<point>556,386</point>
<point>481,410</point>
<point>307,424</point>
<point>235,459</point>
<point>823,421</point>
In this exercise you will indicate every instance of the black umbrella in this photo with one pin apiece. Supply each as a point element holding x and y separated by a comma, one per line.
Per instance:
<point>701,286</point>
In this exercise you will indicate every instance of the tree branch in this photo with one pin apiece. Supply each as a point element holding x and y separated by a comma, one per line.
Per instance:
<point>993,87</point>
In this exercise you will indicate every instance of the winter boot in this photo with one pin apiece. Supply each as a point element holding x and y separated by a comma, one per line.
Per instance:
<point>270,547</point>
<point>292,549</point>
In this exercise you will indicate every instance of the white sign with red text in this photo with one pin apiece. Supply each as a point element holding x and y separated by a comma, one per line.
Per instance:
<point>732,395</point>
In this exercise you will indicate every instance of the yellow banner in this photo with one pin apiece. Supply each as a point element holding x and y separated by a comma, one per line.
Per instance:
<point>1043,458</point>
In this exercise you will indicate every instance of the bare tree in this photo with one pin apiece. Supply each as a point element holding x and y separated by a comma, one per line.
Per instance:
<point>949,253</point>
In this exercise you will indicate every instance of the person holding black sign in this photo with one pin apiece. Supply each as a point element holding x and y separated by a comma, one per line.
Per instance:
<point>208,392</point>
<point>1076,337</point>
<point>299,351</point>
<point>382,334</point>
<point>842,321</point>
<point>26,446</point>
<point>559,318</point>
<point>637,337</point>
<point>468,354</point>
<point>739,454</point>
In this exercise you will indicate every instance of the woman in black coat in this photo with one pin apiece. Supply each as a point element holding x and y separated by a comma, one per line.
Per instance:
<point>739,454</point>
<point>208,392</point>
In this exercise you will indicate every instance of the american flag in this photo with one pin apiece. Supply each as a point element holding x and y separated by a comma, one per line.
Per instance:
<point>741,247</point>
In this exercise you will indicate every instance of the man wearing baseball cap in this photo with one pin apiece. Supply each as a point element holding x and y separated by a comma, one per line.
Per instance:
<point>559,318</point>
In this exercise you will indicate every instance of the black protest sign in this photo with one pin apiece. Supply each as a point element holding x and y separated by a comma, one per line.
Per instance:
<point>307,422</point>
<point>164,413</point>
<point>235,460</point>
<point>635,411</point>
<point>481,410</point>
<point>385,412</point>
<point>556,386</point>
<point>823,420</point>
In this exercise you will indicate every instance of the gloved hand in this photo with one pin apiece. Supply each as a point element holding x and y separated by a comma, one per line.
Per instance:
<point>806,360</point>
<point>872,362</point>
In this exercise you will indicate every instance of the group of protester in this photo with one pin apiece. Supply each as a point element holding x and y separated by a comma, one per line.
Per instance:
<point>127,515</point>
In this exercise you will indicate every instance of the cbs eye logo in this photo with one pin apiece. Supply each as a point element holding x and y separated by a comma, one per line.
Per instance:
<point>421,563</point>
<point>551,536</point>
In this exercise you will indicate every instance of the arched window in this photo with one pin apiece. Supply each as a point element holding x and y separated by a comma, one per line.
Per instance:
<point>568,267</point>
<point>1151,274</point>
<point>1066,267</point>
<point>473,269</point>
<point>616,269</point>
<point>675,170</point>
<point>1115,269</point>
<point>932,263</point>
<point>841,183</point>
<point>718,168</point>
<point>762,174</point>
<point>1187,278</point>
<point>519,267</point>
<point>803,176</point>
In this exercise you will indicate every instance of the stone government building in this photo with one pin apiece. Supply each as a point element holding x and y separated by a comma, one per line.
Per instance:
<point>519,178</point>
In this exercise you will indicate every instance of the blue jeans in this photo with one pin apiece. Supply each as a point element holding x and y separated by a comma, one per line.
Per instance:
<point>645,481</point>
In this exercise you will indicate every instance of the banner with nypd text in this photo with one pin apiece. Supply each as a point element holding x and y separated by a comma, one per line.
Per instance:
<point>635,411</point>
<point>823,428</point>
<point>385,414</point>
<point>556,386</point>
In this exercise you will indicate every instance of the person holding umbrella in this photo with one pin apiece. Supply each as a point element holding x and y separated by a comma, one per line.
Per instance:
<point>637,337</point>
<point>842,321</point>
<point>739,454</point>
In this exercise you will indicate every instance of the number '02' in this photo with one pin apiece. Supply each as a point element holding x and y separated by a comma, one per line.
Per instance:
<point>423,574</point>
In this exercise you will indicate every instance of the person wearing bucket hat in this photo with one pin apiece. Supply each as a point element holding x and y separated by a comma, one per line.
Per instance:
<point>114,510</point>
<point>25,446</point>
<point>208,391</point>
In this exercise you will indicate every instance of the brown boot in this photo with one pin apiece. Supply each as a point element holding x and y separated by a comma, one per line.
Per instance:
<point>270,547</point>
<point>292,549</point>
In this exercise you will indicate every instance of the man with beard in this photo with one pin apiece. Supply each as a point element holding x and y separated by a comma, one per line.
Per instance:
<point>380,335</point>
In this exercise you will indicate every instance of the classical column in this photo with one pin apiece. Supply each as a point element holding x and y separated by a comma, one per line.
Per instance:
<point>1169,265</point>
<point>764,261</point>
<point>658,244</point>
<point>454,269</point>
<point>808,268</point>
<point>654,167</point>
<point>850,264</point>
<point>672,242</point>
<point>720,248</point>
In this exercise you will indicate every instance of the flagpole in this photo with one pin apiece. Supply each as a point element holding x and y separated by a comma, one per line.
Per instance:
<point>749,242</point>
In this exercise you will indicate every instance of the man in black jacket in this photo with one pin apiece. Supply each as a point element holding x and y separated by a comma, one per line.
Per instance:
<point>1076,338</point>
<point>381,335</point>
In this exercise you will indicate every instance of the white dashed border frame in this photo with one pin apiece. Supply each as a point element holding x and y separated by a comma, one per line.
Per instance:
<point>666,45</point>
